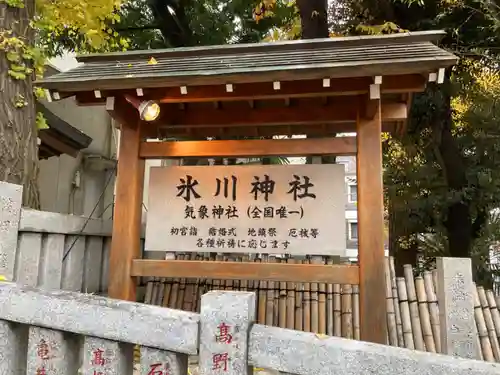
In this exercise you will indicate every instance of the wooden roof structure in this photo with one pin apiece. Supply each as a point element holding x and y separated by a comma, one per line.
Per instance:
<point>310,87</point>
<point>60,137</point>
<point>262,89</point>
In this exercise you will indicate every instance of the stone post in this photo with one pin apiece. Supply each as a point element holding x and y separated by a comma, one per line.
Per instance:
<point>13,342</point>
<point>51,352</point>
<point>156,361</point>
<point>226,318</point>
<point>105,357</point>
<point>11,197</point>
<point>455,292</point>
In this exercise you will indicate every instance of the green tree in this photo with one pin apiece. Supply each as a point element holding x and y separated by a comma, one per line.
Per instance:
<point>439,177</point>
<point>27,29</point>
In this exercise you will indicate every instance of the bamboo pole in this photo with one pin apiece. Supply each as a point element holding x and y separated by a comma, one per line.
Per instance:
<point>489,323</point>
<point>322,318</point>
<point>299,301</point>
<point>270,298</point>
<point>405,313</point>
<point>329,304</point>
<point>244,283</point>
<point>262,296</point>
<point>290,301</point>
<point>161,291</point>
<point>391,315</point>
<point>418,339</point>
<point>433,309</point>
<point>149,290</point>
<point>276,301</point>
<point>154,293</point>
<point>198,283</point>
<point>229,284</point>
<point>282,302</point>
<point>355,312</point>
<point>495,315</point>
<point>397,308</point>
<point>435,279</point>
<point>182,287</point>
<point>188,301</point>
<point>337,311</point>
<point>307,304</point>
<point>425,319</point>
<point>315,300</point>
<point>482,331</point>
<point>167,291</point>
<point>347,330</point>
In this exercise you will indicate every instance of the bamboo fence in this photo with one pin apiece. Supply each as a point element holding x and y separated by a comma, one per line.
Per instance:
<point>333,309</point>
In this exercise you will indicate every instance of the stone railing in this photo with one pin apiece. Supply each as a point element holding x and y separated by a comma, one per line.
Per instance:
<point>43,332</point>
<point>52,250</point>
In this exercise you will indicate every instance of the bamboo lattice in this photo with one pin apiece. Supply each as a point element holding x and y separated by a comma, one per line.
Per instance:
<point>333,309</point>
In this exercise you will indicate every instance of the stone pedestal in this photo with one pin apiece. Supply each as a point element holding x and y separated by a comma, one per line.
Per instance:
<point>455,292</point>
<point>226,318</point>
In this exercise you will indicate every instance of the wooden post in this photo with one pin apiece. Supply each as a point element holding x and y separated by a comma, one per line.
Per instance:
<point>127,214</point>
<point>371,225</point>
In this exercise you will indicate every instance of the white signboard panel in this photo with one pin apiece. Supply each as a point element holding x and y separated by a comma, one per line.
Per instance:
<point>273,209</point>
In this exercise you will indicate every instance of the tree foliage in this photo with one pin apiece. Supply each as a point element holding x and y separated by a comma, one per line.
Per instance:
<point>29,31</point>
<point>441,178</point>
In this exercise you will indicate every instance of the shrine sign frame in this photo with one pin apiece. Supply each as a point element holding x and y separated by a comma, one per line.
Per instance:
<point>317,88</point>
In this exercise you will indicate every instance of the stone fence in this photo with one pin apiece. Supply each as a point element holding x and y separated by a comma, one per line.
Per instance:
<point>56,332</point>
<point>33,244</point>
<point>55,251</point>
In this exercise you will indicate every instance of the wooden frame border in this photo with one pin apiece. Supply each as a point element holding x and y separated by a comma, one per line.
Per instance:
<point>249,148</point>
<point>125,265</point>
<point>284,272</point>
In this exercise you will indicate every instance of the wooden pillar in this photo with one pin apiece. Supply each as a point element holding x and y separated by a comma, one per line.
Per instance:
<point>371,225</point>
<point>125,245</point>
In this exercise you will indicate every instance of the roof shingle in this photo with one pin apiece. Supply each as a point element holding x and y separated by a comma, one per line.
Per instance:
<point>292,60</point>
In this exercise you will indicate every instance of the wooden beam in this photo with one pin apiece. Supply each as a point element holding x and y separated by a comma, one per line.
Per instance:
<point>249,148</point>
<point>371,227</point>
<point>125,243</point>
<point>122,111</point>
<point>265,90</point>
<point>332,274</point>
<point>337,111</point>
<point>314,130</point>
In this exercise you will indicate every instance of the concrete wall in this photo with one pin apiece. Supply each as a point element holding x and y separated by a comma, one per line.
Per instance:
<point>73,185</point>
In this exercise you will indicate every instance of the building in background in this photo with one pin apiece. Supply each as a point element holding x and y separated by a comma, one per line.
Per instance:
<point>77,158</point>
<point>351,207</point>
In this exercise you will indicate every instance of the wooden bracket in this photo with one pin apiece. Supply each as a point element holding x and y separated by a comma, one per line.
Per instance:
<point>122,111</point>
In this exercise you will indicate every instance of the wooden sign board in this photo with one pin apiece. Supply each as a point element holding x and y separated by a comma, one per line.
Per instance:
<point>272,209</point>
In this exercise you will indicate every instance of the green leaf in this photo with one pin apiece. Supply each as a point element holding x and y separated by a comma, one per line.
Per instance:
<point>16,75</point>
<point>41,122</point>
<point>13,56</point>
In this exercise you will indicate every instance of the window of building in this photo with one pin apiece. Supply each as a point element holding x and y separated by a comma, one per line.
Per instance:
<point>352,194</point>
<point>353,231</point>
